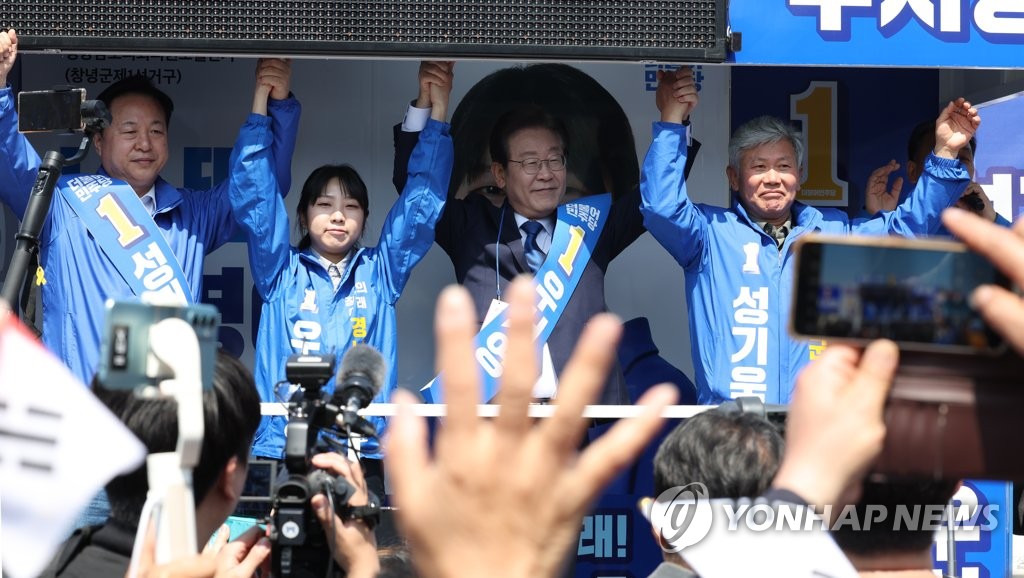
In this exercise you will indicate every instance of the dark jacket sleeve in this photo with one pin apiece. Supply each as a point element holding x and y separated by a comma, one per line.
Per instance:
<point>691,155</point>
<point>405,142</point>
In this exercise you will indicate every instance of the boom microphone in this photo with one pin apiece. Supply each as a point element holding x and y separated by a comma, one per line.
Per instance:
<point>360,378</point>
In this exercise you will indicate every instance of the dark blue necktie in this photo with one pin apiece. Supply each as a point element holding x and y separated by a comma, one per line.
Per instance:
<point>534,256</point>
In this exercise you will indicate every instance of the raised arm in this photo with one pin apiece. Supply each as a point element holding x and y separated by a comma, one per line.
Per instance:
<point>626,221</point>
<point>880,196</point>
<point>8,54</point>
<point>408,230</point>
<point>284,111</point>
<point>253,192</point>
<point>435,86</point>
<point>19,162</point>
<point>668,212</point>
<point>942,182</point>
<point>273,77</point>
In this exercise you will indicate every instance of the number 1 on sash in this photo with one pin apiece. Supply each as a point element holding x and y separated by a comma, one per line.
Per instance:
<point>127,231</point>
<point>566,259</point>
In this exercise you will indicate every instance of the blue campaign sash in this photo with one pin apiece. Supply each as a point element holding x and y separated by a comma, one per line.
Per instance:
<point>128,235</point>
<point>579,227</point>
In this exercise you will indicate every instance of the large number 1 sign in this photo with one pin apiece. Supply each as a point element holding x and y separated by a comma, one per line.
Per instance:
<point>816,109</point>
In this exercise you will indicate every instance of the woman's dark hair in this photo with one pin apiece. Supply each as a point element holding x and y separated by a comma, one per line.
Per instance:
<point>351,183</point>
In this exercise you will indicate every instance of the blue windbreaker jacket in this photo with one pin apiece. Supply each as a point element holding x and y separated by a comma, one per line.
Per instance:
<point>301,311</point>
<point>79,276</point>
<point>739,285</point>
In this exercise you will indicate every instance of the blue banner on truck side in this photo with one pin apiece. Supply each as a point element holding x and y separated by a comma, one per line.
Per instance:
<point>946,33</point>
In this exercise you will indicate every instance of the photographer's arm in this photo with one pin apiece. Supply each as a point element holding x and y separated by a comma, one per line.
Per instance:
<point>240,558</point>
<point>835,426</point>
<point>353,543</point>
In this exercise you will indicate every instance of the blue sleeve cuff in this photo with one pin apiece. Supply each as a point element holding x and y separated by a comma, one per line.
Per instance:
<point>945,168</point>
<point>441,127</point>
<point>258,119</point>
<point>283,105</point>
<point>660,126</point>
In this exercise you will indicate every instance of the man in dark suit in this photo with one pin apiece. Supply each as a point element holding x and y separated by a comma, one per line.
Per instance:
<point>486,237</point>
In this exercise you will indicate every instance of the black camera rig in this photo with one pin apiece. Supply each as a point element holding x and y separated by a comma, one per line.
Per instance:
<point>300,546</point>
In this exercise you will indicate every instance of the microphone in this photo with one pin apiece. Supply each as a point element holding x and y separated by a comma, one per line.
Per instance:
<point>360,378</point>
<point>974,202</point>
<point>972,198</point>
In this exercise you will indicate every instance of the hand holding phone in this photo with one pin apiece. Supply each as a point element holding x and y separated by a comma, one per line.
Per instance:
<point>947,416</point>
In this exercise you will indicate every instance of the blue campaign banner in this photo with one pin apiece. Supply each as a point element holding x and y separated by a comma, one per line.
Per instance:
<point>853,120</point>
<point>982,534</point>
<point>615,539</point>
<point>939,33</point>
<point>998,163</point>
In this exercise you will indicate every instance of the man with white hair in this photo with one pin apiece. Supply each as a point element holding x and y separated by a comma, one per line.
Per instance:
<point>738,260</point>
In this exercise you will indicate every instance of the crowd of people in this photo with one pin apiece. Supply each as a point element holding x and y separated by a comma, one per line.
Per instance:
<point>517,204</point>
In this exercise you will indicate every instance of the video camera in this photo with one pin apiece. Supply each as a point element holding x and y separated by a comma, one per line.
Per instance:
<point>299,544</point>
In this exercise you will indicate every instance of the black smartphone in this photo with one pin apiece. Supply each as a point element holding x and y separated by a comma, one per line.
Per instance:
<point>126,357</point>
<point>51,110</point>
<point>913,291</point>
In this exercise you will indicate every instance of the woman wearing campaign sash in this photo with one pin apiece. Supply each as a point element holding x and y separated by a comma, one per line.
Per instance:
<point>330,291</point>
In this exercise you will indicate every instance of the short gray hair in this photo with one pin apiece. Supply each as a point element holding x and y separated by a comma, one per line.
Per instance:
<point>764,130</point>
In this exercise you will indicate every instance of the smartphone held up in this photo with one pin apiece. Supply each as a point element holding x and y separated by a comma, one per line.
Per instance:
<point>956,396</point>
<point>915,292</point>
<point>64,110</point>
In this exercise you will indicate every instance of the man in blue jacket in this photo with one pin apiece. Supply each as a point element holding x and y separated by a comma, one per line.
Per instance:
<point>738,261</point>
<point>124,231</point>
<point>879,196</point>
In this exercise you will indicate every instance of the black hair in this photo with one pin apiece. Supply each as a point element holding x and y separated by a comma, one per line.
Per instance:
<point>231,411</point>
<point>603,154</point>
<point>138,84</point>
<point>884,537</point>
<point>735,455</point>
<point>517,119</point>
<point>396,562</point>
<point>351,183</point>
<point>922,141</point>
